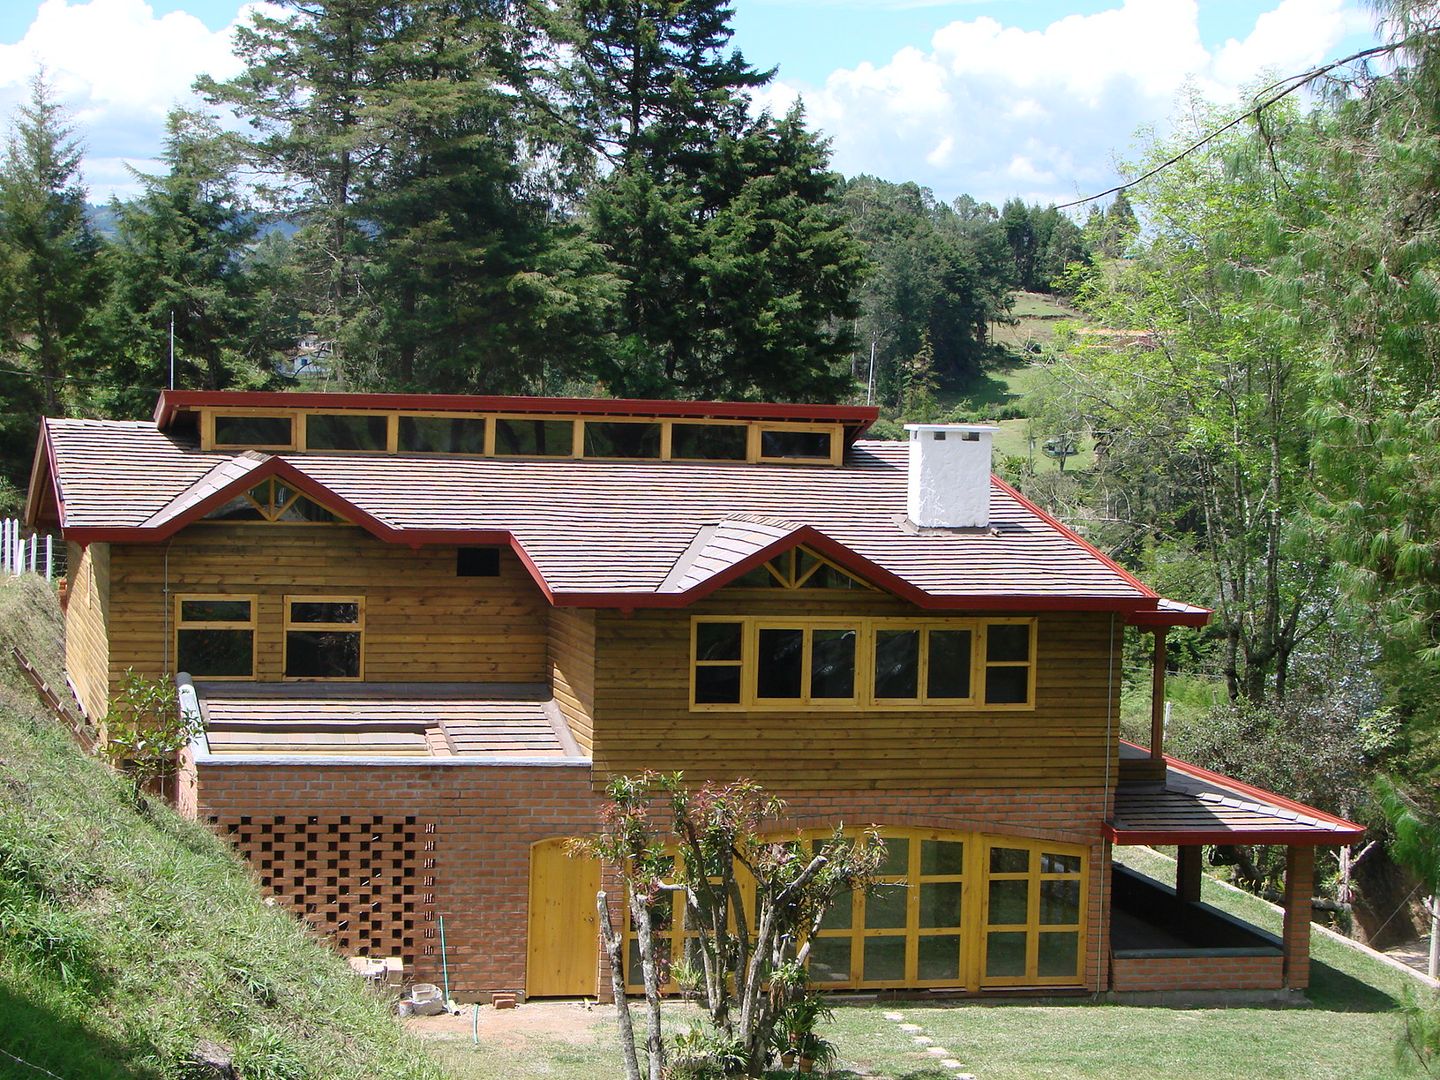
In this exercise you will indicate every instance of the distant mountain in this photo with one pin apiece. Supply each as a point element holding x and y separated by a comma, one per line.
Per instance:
<point>104,217</point>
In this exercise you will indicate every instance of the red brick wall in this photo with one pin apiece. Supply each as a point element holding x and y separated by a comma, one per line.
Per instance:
<point>487,817</point>
<point>1199,973</point>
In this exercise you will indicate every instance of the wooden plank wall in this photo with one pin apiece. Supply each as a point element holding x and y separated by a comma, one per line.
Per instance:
<point>643,720</point>
<point>572,669</point>
<point>422,622</point>
<point>87,609</point>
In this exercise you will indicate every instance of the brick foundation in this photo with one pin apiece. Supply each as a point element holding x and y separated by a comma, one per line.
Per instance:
<point>1197,973</point>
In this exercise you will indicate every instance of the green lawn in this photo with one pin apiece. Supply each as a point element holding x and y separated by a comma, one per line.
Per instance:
<point>1036,316</point>
<point>1348,1031</point>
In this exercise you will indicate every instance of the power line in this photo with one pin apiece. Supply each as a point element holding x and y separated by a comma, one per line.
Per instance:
<point>1290,84</point>
<point>30,1064</point>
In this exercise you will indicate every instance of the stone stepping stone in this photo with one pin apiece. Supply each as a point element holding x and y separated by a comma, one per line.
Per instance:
<point>938,1051</point>
<point>897,1017</point>
<point>911,1028</point>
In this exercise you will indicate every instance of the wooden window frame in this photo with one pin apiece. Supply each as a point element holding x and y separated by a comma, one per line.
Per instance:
<point>649,421</point>
<point>1032,927</point>
<point>357,627</point>
<point>864,699</point>
<point>492,436</point>
<point>252,625</point>
<point>207,429</point>
<point>392,429</point>
<point>667,441</point>
<point>757,432</point>
<point>268,508</point>
<point>787,576</point>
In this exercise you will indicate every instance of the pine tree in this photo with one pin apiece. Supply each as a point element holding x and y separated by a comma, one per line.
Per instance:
<point>47,250</point>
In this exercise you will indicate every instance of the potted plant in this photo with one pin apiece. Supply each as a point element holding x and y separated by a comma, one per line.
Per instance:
<point>812,1052</point>
<point>795,1033</point>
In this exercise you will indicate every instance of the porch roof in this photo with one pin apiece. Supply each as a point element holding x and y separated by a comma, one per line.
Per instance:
<point>1196,806</point>
<point>302,722</point>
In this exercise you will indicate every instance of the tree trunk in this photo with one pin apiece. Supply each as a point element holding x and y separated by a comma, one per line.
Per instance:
<point>644,932</point>
<point>614,949</point>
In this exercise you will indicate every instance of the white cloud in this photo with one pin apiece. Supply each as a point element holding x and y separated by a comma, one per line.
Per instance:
<point>995,111</point>
<point>119,68</point>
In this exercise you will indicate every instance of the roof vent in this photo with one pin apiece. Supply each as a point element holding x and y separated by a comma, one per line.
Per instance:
<point>949,476</point>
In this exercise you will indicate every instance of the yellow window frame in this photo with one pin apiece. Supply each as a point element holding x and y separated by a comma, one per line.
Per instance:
<point>755,451</point>
<point>488,442</point>
<point>207,428</point>
<point>392,428</point>
<point>749,679</point>
<point>357,628</point>
<point>980,657</point>
<point>1032,928</point>
<point>211,624</point>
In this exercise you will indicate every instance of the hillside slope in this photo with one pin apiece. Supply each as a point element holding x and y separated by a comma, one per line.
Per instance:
<point>127,935</point>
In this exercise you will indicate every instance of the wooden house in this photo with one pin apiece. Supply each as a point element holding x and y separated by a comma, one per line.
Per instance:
<point>423,632</point>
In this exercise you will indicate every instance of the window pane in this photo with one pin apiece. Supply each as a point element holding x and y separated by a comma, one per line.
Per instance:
<point>325,611</point>
<point>841,914</point>
<point>717,641</point>
<point>778,667</point>
<point>885,908</point>
<point>214,610</point>
<point>322,654</point>
<point>830,960</point>
<point>1005,860</point>
<point>254,431</point>
<point>1007,685</point>
<point>939,957</point>
<point>338,431</point>
<point>827,577</point>
<point>758,578</point>
<point>1009,903</point>
<point>441,435</point>
<point>1007,642</point>
<point>717,685</point>
<point>1059,902</point>
<point>949,675</point>
<point>897,664</point>
<point>302,509</point>
<point>1051,863</point>
<point>1059,954</point>
<point>237,509</point>
<point>708,442</point>
<point>1005,954</point>
<point>832,664</point>
<point>535,438</point>
<point>940,903</point>
<point>897,857</point>
<point>942,857</point>
<point>884,959</point>
<point>802,445</point>
<point>216,653</point>
<point>609,439</point>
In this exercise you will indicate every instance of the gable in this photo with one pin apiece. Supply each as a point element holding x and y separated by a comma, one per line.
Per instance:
<point>799,568</point>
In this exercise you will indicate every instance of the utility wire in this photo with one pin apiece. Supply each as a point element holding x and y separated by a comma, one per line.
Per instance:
<point>1287,85</point>
<point>30,1064</point>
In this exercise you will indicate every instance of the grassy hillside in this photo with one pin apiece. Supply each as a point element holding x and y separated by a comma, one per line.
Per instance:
<point>127,935</point>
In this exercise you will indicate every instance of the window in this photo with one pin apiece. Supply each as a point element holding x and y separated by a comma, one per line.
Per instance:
<point>1034,900</point>
<point>789,444</point>
<point>274,501</point>
<point>346,431</point>
<point>708,442</point>
<point>323,637</point>
<point>618,439</point>
<point>477,562</point>
<point>534,438</point>
<point>215,636</point>
<point>770,663</point>
<point>441,435</point>
<point>255,432</point>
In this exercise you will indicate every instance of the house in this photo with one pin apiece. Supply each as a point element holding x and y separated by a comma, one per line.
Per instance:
<point>424,631</point>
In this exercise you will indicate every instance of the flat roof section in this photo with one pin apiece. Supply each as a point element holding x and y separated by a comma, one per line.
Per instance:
<point>303,722</point>
<point>1197,806</point>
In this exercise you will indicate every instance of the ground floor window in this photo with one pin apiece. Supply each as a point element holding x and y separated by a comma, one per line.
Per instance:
<point>323,637</point>
<point>215,636</point>
<point>962,910</point>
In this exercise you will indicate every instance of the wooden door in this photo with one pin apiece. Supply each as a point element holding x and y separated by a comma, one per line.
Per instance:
<point>563,938</point>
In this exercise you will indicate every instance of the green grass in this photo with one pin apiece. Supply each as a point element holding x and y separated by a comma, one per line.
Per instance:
<point>127,933</point>
<point>1190,697</point>
<point>1036,316</point>
<point>1348,1031</point>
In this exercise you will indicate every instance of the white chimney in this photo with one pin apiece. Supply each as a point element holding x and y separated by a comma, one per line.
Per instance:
<point>949,479</point>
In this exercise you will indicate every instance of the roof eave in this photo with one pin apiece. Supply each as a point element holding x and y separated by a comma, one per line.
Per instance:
<point>43,479</point>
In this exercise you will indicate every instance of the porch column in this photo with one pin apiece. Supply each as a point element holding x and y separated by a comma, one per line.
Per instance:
<point>1157,698</point>
<point>1299,889</point>
<point>1187,873</point>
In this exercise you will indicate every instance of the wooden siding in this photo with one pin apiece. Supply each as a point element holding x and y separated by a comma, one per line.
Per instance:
<point>87,611</point>
<point>422,622</point>
<point>572,670</point>
<point>643,720</point>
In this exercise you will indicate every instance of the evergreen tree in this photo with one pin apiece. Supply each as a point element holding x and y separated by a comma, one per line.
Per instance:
<point>182,251</point>
<point>47,251</point>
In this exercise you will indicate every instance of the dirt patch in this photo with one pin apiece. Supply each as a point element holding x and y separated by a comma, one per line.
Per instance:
<point>572,1022</point>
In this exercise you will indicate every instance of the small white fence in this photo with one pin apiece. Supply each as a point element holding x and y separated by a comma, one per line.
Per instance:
<point>21,554</point>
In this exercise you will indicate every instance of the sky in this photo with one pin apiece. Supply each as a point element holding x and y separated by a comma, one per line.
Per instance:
<point>993,98</point>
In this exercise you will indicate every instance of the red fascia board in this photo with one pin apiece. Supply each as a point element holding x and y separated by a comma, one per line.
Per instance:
<point>1299,837</point>
<point>1070,534</point>
<point>857,417</point>
<point>1159,619</point>
<point>43,478</point>
<point>1257,793</point>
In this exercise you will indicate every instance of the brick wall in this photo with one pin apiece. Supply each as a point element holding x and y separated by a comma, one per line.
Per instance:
<point>485,818</point>
<point>1198,973</point>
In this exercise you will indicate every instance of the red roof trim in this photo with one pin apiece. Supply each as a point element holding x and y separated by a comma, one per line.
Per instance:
<point>856,417</point>
<point>1071,534</point>
<point>1344,832</point>
<point>1160,619</point>
<point>42,469</point>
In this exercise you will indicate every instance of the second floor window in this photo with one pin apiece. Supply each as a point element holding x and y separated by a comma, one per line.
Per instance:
<point>215,636</point>
<point>323,637</point>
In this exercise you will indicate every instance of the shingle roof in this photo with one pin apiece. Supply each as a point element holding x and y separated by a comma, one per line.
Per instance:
<point>592,530</point>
